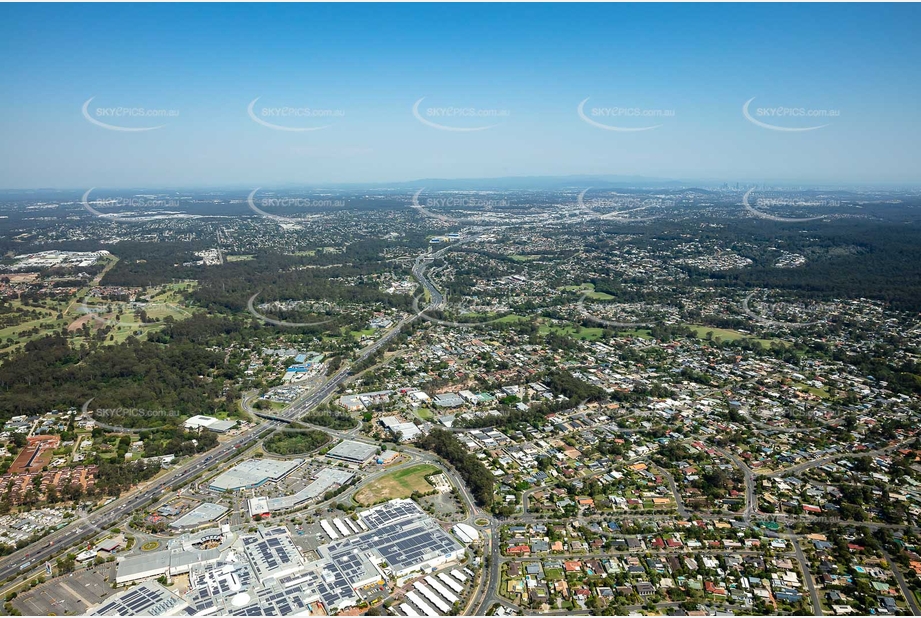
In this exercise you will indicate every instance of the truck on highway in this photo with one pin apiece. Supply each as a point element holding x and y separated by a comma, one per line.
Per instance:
<point>24,565</point>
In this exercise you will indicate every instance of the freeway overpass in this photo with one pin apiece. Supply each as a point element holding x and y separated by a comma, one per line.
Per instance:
<point>86,528</point>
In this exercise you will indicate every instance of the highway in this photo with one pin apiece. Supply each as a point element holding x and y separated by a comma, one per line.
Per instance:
<point>86,528</point>
<point>89,526</point>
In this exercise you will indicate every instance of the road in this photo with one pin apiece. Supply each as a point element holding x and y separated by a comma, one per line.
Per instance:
<point>679,502</point>
<point>764,321</point>
<point>830,458</point>
<point>903,585</point>
<point>804,567</point>
<point>89,526</point>
<point>751,504</point>
<point>588,316</point>
<point>489,585</point>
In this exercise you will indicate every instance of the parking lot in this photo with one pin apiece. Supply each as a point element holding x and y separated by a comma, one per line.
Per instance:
<point>69,595</point>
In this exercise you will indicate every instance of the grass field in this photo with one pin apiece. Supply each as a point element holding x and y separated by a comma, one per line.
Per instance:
<point>599,296</point>
<point>725,334</point>
<point>165,300</point>
<point>575,288</point>
<point>397,484</point>
<point>589,289</point>
<point>818,392</point>
<point>358,334</point>
<point>490,318</point>
<point>21,333</point>
<point>585,334</point>
<point>508,319</point>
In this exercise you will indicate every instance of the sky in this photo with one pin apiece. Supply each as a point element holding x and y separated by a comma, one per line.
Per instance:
<point>666,85</point>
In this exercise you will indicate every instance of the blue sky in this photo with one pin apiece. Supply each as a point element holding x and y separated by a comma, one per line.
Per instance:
<point>533,63</point>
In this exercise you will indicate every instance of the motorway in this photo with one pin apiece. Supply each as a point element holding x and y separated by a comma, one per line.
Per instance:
<point>89,526</point>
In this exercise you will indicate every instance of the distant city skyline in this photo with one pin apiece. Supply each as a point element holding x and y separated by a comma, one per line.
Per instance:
<point>324,95</point>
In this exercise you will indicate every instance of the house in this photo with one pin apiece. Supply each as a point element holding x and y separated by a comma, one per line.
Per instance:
<point>645,589</point>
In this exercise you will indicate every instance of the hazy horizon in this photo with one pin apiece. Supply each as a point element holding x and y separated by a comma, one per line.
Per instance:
<point>278,95</point>
<point>509,183</point>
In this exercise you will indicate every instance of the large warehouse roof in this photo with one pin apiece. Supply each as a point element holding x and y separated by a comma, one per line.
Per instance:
<point>202,514</point>
<point>355,452</point>
<point>265,573</point>
<point>326,479</point>
<point>253,473</point>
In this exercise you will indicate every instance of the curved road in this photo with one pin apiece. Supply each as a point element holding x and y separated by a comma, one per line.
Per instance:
<point>603,322</point>
<point>764,321</point>
<point>88,527</point>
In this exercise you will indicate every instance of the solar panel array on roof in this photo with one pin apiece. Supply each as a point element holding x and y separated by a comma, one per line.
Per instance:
<point>271,554</point>
<point>211,585</point>
<point>331,584</point>
<point>391,511</point>
<point>148,599</point>
<point>271,577</point>
<point>401,534</point>
<point>277,601</point>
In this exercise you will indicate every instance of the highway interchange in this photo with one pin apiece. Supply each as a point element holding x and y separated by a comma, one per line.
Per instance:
<point>485,594</point>
<point>26,561</point>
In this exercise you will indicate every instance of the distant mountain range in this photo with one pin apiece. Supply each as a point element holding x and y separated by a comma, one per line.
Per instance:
<point>524,183</point>
<point>501,183</point>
